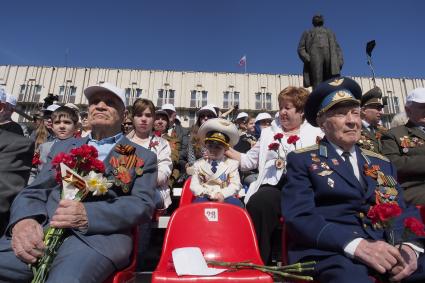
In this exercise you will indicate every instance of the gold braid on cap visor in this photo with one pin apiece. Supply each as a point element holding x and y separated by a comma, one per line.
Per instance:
<point>218,137</point>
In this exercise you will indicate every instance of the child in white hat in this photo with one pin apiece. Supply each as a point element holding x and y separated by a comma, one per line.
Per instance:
<point>217,178</point>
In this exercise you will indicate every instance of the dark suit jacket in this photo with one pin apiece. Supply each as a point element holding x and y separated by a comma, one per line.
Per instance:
<point>110,217</point>
<point>410,162</point>
<point>16,154</point>
<point>324,213</point>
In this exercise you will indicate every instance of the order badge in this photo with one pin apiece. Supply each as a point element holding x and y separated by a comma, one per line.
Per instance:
<point>279,163</point>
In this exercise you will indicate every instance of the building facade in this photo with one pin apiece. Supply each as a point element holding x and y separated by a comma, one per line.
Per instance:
<point>188,91</point>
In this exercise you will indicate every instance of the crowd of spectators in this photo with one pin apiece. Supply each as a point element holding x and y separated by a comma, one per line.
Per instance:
<point>259,154</point>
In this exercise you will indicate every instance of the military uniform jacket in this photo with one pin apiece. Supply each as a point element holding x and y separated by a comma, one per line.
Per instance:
<point>371,141</point>
<point>405,147</point>
<point>325,205</point>
<point>225,180</point>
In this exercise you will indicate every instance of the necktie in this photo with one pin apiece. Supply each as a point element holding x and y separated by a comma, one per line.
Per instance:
<point>346,155</point>
<point>214,166</point>
<point>372,129</point>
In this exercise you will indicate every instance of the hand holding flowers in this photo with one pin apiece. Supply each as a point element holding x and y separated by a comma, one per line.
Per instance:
<point>79,172</point>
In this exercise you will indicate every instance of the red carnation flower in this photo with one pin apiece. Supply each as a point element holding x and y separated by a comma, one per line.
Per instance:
<point>274,146</point>
<point>414,225</point>
<point>98,166</point>
<point>383,213</point>
<point>85,151</point>
<point>293,139</point>
<point>36,159</point>
<point>278,136</point>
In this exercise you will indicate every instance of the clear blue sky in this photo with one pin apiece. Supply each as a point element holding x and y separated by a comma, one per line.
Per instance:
<point>210,35</point>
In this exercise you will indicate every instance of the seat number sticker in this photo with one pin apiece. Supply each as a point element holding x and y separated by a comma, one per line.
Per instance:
<point>211,214</point>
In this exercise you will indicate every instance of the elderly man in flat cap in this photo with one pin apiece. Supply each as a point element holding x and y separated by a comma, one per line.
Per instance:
<point>405,147</point>
<point>99,239</point>
<point>330,190</point>
<point>370,113</point>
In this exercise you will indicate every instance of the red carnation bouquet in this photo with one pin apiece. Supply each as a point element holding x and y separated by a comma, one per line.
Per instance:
<point>280,163</point>
<point>383,215</point>
<point>80,173</point>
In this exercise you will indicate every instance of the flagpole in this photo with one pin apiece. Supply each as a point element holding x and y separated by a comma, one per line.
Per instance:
<point>246,62</point>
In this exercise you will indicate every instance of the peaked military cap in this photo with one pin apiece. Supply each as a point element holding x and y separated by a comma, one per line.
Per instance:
<point>373,96</point>
<point>329,93</point>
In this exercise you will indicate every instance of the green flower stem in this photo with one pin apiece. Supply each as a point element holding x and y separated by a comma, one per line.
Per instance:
<point>53,240</point>
<point>283,271</point>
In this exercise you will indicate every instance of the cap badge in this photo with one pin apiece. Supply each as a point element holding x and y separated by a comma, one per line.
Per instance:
<point>340,95</point>
<point>336,82</point>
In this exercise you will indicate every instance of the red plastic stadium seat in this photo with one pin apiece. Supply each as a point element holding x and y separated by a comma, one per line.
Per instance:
<point>187,196</point>
<point>227,234</point>
<point>127,274</point>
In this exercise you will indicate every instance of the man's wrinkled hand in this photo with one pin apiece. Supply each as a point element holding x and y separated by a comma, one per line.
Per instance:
<point>70,214</point>
<point>27,240</point>
<point>407,267</point>
<point>378,255</point>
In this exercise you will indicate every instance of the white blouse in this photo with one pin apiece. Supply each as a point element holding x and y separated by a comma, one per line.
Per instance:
<point>261,157</point>
<point>162,149</point>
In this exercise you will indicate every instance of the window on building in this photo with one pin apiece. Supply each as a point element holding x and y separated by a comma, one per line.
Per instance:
<point>198,98</point>
<point>230,98</point>
<point>29,92</point>
<point>165,96</point>
<point>131,94</point>
<point>67,94</point>
<point>263,100</point>
<point>391,102</point>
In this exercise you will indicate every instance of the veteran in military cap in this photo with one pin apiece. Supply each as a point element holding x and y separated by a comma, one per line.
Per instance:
<point>405,147</point>
<point>370,113</point>
<point>330,189</point>
<point>216,178</point>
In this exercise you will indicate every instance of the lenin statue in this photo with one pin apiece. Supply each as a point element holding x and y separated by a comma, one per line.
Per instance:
<point>321,54</point>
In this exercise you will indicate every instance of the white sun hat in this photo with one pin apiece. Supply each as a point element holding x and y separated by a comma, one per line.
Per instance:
<point>108,87</point>
<point>168,106</point>
<point>263,116</point>
<point>241,115</point>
